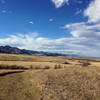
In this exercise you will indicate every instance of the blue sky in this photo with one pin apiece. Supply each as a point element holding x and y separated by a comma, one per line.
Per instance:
<point>65,26</point>
<point>18,16</point>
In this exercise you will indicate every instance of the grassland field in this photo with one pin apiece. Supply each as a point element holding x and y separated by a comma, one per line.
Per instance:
<point>24,77</point>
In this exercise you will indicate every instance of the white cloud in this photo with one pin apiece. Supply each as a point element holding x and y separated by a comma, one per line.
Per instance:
<point>31,22</point>
<point>70,45</point>
<point>83,29</point>
<point>78,11</point>
<point>59,3</point>
<point>85,36</point>
<point>85,39</point>
<point>93,11</point>
<point>51,20</point>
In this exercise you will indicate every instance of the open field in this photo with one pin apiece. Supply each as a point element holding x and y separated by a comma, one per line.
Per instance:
<point>25,77</point>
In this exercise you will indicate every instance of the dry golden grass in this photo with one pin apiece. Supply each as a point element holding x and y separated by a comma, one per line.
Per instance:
<point>17,86</point>
<point>48,78</point>
<point>72,84</point>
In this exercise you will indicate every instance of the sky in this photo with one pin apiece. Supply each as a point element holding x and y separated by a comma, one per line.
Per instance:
<point>62,26</point>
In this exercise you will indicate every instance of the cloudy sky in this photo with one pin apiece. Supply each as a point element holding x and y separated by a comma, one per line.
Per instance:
<point>63,26</point>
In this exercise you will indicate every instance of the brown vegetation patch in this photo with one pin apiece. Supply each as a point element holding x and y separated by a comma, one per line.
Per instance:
<point>57,66</point>
<point>66,62</point>
<point>12,67</point>
<point>84,63</point>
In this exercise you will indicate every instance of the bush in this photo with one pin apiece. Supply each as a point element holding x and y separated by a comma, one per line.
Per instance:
<point>12,67</point>
<point>57,66</point>
<point>66,62</point>
<point>85,63</point>
<point>47,67</point>
<point>37,67</point>
<point>31,67</point>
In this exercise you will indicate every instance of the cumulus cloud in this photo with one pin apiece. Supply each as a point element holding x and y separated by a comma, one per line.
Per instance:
<point>87,29</point>
<point>85,36</point>
<point>69,45</point>
<point>83,29</point>
<point>93,11</point>
<point>84,39</point>
<point>33,42</point>
<point>59,3</point>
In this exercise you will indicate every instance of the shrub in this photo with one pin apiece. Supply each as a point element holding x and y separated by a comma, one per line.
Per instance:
<point>37,67</point>
<point>66,62</point>
<point>57,66</point>
<point>47,67</point>
<point>12,67</point>
<point>85,63</point>
<point>31,67</point>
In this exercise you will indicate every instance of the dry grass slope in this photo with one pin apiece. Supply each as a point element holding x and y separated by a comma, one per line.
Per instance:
<point>48,78</point>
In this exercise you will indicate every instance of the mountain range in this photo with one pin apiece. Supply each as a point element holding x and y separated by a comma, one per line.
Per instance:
<point>14,50</point>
